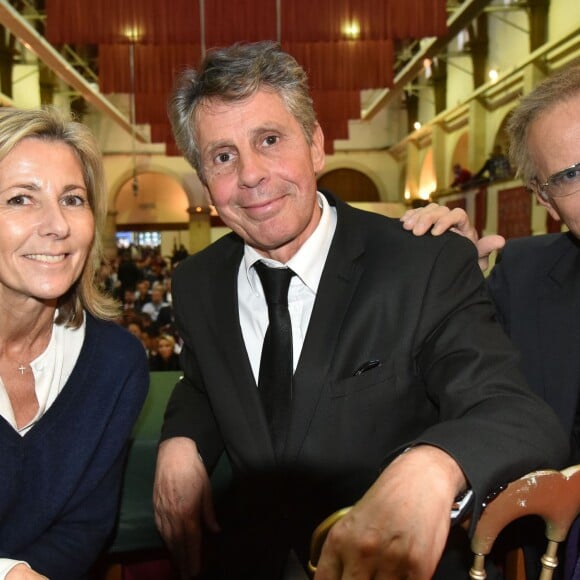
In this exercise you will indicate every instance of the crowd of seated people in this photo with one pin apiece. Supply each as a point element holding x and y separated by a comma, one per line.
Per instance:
<point>140,278</point>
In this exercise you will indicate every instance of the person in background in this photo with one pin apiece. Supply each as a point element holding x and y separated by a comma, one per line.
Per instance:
<point>129,300</point>
<point>142,294</point>
<point>497,166</point>
<point>535,281</point>
<point>399,365</point>
<point>462,176</point>
<point>128,273</point>
<point>72,381</point>
<point>134,325</point>
<point>178,255</point>
<point>166,358</point>
<point>154,306</point>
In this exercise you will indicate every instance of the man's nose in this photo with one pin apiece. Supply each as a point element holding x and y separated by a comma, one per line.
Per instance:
<point>252,169</point>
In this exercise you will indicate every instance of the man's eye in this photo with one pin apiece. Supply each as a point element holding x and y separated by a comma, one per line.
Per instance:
<point>223,157</point>
<point>571,175</point>
<point>271,140</point>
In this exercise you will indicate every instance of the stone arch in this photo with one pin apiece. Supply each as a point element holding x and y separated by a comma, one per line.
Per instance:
<point>349,184</point>
<point>160,199</point>
<point>501,137</point>
<point>460,154</point>
<point>427,179</point>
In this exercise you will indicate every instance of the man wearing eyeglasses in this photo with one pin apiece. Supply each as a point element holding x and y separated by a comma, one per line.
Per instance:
<point>536,282</point>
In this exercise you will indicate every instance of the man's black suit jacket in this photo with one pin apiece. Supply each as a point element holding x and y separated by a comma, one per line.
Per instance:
<point>448,377</point>
<point>536,288</point>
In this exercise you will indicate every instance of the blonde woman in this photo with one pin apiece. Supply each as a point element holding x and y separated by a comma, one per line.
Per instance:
<point>72,381</point>
<point>166,358</point>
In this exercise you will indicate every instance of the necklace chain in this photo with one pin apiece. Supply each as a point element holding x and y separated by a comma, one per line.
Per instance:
<point>22,366</point>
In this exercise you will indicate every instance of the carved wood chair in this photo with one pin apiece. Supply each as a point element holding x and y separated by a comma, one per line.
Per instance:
<point>552,495</point>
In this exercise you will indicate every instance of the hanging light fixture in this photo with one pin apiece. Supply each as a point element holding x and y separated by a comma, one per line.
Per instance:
<point>133,35</point>
<point>135,182</point>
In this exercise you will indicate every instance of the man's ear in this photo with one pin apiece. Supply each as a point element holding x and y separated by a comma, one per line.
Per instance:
<point>317,149</point>
<point>545,201</point>
<point>206,193</point>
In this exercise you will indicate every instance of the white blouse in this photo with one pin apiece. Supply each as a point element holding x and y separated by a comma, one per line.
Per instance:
<point>51,370</point>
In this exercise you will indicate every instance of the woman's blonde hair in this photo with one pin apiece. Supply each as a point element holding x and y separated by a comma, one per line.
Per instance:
<point>51,124</point>
<point>167,338</point>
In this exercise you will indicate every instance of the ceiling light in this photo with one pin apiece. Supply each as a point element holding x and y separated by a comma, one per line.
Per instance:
<point>351,30</point>
<point>133,33</point>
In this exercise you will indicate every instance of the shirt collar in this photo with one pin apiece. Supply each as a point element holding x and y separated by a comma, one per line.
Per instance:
<point>309,261</point>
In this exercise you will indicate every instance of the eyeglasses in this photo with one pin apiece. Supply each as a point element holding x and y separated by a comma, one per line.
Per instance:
<point>561,184</point>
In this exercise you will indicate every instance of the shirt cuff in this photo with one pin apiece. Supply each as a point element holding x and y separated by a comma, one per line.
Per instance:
<point>6,564</point>
<point>461,506</point>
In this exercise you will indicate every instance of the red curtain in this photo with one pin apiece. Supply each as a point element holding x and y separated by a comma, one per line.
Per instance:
<point>416,18</point>
<point>333,110</point>
<point>345,65</point>
<point>325,20</point>
<point>169,38</point>
<point>178,21</point>
<point>151,108</point>
<point>155,66</point>
<point>227,22</point>
<point>109,21</point>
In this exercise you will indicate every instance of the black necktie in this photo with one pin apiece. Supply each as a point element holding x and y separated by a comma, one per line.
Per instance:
<point>276,364</point>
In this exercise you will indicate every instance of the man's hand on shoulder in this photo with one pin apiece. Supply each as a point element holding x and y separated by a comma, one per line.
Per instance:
<point>437,219</point>
<point>182,502</point>
<point>398,529</point>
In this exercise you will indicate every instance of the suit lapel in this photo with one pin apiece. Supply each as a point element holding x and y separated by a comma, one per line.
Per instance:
<point>337,285</point>
<point>244,387</point>
<point>559,328</point>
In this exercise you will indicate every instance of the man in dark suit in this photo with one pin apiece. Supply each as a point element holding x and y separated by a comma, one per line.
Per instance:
<point>535,283</point>
<point>405,392</point>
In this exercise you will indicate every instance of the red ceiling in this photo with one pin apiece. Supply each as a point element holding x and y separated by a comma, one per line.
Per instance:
<point>170,38</point>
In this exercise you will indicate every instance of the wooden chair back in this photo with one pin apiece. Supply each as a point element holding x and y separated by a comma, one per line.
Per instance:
<point>552,495</point>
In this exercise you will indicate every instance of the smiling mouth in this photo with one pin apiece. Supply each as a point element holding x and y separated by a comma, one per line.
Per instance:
<point>264,203</point>
<point>47,258</point>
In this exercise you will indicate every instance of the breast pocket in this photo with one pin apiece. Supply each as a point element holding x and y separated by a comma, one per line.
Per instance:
<point>381,374</point>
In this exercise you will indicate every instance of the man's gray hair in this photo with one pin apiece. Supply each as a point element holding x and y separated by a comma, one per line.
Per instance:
<point>234,74</point>
<point>557,88</point>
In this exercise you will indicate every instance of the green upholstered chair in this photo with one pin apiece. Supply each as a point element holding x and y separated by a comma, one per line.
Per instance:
<point>137,549</point>
<point>136,526</point>
<point>136,529</point>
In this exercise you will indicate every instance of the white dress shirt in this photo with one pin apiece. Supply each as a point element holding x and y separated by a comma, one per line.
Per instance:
<point>307,264</point>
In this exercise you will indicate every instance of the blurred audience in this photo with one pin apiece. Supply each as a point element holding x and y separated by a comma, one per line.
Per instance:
<point>156,303</point>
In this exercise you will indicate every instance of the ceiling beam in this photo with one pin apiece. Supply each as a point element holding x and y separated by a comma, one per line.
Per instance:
<point>455,24</point>
<point>38,45</point>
